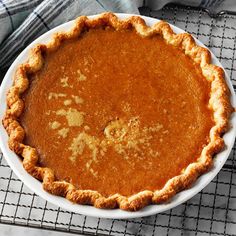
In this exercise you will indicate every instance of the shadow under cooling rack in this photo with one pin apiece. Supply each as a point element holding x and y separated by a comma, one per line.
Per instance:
<point>212,211</point>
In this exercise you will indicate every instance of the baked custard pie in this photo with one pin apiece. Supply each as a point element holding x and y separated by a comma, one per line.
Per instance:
<point>117,114</point>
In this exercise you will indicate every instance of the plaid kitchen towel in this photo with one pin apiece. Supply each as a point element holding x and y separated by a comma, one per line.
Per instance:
<point>214,6</point>
<point>21,21</point>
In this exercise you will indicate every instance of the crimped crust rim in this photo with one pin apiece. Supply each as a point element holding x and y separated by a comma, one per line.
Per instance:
<point>219,102</point>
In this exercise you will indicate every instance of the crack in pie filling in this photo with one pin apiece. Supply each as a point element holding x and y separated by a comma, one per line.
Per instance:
<point>117,114</point>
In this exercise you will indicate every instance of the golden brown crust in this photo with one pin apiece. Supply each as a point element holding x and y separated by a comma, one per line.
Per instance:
<point>219,103</point>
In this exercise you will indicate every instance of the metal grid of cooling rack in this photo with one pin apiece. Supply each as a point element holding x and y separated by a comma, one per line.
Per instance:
<point>211,212</point>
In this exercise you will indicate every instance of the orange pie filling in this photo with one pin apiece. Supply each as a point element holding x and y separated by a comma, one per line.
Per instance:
<point>117,113</point>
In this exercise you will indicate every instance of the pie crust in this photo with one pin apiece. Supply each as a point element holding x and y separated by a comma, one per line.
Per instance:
<point>218,102</point>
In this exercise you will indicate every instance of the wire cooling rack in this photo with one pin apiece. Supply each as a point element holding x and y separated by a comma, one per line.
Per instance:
<point>211,212</point>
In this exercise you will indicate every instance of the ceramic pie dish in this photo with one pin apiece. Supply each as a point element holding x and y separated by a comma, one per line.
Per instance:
<point>129,198</point>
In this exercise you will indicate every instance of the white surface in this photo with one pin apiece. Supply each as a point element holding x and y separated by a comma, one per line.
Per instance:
<point>36,186</point>
<point>11,230</point>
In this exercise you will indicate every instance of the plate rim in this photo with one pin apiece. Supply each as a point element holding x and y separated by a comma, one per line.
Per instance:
<point>35,185</point>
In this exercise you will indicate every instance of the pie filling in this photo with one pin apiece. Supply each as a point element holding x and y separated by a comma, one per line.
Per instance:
<point>117,113</point>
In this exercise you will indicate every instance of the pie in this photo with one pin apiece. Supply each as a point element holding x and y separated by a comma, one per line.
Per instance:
<point>117,114</point>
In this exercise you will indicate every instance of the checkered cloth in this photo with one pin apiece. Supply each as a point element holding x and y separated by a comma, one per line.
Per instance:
<point>213,6</point>
<point>21,21</point>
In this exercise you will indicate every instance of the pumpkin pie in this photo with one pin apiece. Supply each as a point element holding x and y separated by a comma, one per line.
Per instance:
<point>117,114</point>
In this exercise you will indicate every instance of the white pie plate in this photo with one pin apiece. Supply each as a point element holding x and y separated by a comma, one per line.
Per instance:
<point>15,162</point>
